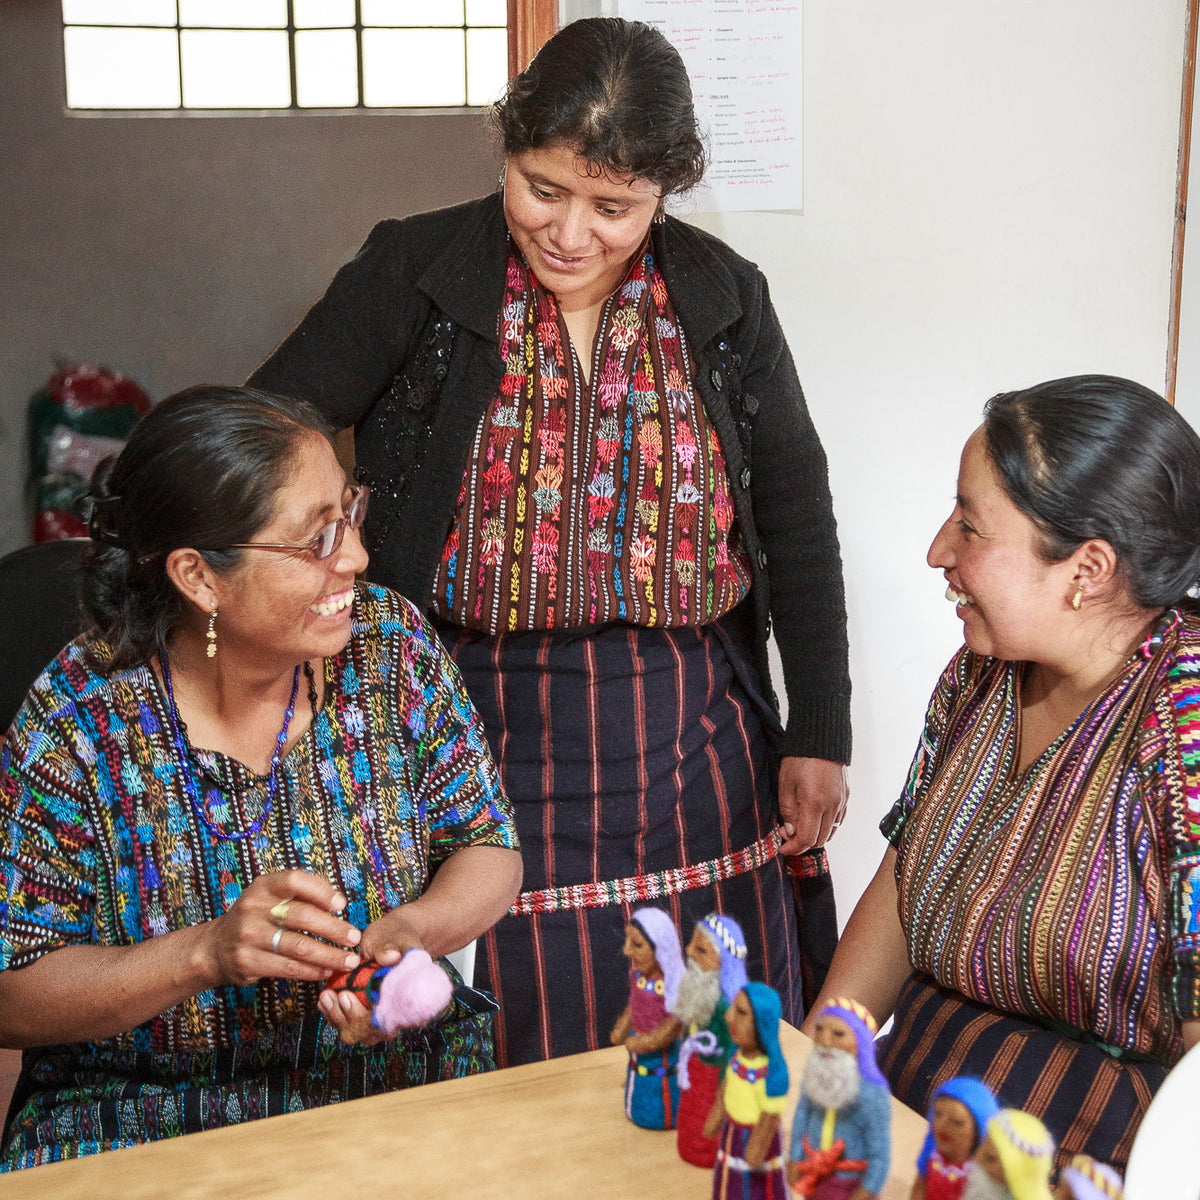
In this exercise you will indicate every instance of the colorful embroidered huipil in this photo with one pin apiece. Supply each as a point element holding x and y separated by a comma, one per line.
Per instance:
<point>99,845</point>
<point>1066,892</point>
<point>587,503</point>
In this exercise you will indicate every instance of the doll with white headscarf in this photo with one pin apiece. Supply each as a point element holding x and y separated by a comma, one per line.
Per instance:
<point>648,1030</point>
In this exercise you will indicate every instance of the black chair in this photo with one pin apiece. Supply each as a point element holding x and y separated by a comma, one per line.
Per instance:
<point>39,616</point>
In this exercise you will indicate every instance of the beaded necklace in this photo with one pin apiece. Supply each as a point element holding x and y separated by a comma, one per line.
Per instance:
<point>183,749</point>
<point>646,984</point>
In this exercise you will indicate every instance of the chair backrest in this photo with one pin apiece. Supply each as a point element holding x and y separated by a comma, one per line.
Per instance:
<point>39,615</point>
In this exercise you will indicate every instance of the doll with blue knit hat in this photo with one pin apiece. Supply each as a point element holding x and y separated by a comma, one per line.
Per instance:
<point>715,973</point>
<point>842,1130</point>
<point>646,1027</point>
<point>746,1114</point>
<point>959,1112</point>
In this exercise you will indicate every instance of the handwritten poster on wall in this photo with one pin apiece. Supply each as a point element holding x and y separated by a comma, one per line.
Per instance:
<point>744,60</point>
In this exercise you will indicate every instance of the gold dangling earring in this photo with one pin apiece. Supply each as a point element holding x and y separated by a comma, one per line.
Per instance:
<point>211,649</point>
<point>1077,599</point>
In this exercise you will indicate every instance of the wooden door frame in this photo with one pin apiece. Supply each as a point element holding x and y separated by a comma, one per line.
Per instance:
<point>1181,193</point>
<point>530,24</point>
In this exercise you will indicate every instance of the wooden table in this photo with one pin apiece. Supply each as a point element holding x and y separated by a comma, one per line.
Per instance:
<point>548,1131</point>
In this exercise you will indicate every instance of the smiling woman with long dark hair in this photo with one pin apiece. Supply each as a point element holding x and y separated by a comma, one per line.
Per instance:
<point>1034,920</point>
<point>251,773</point>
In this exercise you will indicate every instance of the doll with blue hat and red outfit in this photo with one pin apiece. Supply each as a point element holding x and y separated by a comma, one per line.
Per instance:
<point>959,1113</point>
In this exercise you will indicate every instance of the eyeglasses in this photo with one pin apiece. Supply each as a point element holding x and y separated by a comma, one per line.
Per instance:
<point>329,538</point>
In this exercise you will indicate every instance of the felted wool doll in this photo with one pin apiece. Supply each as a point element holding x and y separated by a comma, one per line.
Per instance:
<point>407,995</point>
<point>716,972</point>
<point>745,1117</point>
<point>1013,1161</point>
<point>842,1130</point>
<point>1086,1179</point>
<point>958,1116</point>
<point>646,1027</point>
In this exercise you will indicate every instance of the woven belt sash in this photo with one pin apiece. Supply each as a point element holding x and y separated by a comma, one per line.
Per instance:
<point>635,889</point>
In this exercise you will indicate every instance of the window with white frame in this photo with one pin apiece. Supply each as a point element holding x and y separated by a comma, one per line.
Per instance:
<point>281,54</point>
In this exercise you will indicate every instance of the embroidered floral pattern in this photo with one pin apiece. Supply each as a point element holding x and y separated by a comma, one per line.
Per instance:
<point>583,504</point>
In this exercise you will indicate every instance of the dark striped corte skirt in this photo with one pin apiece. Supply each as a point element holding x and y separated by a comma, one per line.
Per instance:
<point>637,764</point>
<point>1091,1101</point>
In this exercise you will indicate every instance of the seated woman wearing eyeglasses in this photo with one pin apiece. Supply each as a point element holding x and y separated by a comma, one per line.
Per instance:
<point>251,773</point>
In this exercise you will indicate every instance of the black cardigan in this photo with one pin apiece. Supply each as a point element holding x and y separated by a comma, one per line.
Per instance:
<point>404,346</point>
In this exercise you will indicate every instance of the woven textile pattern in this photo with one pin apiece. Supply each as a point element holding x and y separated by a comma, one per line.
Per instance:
<point>1067,892</point>
<point>588,503</point>
<point>100,845</point>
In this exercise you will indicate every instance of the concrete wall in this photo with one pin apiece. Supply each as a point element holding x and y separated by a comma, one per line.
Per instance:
<point>989,195</point>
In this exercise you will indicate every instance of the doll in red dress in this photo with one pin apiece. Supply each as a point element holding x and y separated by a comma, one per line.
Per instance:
<point>958,1115</point>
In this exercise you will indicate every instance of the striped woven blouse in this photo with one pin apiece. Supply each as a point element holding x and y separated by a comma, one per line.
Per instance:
<point>1066,893</point>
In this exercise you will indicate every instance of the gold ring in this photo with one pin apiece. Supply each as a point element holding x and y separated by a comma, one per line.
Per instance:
<point>279,912</point>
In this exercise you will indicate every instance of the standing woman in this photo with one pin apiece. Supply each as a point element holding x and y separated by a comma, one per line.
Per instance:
<point>594,467</point>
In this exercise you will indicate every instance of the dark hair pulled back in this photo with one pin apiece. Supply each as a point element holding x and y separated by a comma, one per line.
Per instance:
<point>201,469</point>
<point>618,93</point>
<point>1095,456</point>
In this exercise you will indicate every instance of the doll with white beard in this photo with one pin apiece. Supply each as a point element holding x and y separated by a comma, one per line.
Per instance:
<point>1013,1161</point>
<point>716,972</point>
<point>841,1133</point>
<point>646,1027</point>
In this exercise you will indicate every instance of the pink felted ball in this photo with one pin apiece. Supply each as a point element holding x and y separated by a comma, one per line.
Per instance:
<point>413,993</point>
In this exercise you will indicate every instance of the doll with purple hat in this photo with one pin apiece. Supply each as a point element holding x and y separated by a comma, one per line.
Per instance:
<point>841,1133</point>
<point>1086,1179</point>
<point>716,972</point>
<point>647,1029</point>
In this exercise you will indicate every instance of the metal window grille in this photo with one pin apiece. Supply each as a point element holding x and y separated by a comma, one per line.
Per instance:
<point>229,55</point>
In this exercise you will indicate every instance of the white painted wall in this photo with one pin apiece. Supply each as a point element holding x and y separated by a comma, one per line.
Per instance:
<point>989,192</point>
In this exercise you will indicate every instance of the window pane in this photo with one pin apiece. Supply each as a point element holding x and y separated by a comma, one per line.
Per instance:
<point>236,14</point>
<point>119,12</point>
<point>487,65</point>
<point>235,70</point>
<point>122,68</point>
<point>413,68</point>
<point>326,69</point>
<point>487,12</point>
<point>322,14</point>
<point>412,12</point>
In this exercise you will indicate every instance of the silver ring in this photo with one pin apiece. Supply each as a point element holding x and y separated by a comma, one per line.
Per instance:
<point>275,941</point>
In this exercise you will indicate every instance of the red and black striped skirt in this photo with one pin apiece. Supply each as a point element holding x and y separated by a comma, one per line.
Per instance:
<point>637,764</point>
<point>1090,1100</point>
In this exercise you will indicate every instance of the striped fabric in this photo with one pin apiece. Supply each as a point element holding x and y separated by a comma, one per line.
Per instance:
<point>1060,892</point>
<point>1090,1101</point>
<point>1178,708</point>
<point>625,752</point>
